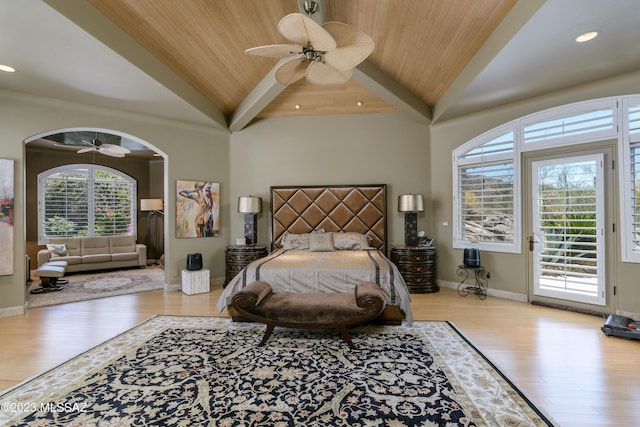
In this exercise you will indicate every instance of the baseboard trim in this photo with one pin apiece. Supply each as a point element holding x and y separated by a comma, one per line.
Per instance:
<point>491,292</point>
<point>171,288</point>
<point>13,311</point>
<point>629,314</point>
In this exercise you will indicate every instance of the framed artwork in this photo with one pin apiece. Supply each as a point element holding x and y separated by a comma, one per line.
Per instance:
<point>197,208</point>
<point>6,217</point>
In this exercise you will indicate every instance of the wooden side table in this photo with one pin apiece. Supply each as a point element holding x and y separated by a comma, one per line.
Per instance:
<point>417,264</point>
<point>238,257</point>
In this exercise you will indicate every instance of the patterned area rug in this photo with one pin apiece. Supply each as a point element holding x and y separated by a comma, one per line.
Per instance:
<point>174,370</point>
<point>87,286</point>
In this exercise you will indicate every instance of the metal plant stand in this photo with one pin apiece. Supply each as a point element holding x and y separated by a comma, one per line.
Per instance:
<point>479,287</point>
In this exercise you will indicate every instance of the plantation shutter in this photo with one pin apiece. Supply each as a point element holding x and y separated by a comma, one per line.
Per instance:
<point>66,201</point>
<point>85,200</point>
<point>112,204</point>
<point>486,202</point>
<point>634,163</point>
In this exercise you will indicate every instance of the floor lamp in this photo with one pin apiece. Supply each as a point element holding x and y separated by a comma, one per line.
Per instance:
<point>410,204</point>
<point>154,240</point>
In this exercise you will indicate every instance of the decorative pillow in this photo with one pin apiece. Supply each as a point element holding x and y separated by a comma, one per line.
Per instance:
<point>350,241</point>
<point>295,241</point>
<point>321,242</point>
<point>58,250</point>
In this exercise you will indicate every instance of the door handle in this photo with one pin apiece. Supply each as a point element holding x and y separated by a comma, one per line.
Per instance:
<point>532,241</point>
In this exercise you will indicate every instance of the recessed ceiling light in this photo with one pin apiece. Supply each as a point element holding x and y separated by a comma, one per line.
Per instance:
<point>585,37</point>
<point>359,103</point>
<point>297,106</point>
<point>7,68</point>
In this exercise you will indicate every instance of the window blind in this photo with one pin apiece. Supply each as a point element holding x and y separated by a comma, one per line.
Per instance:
<point>485,202</point>
<point>86,200</point>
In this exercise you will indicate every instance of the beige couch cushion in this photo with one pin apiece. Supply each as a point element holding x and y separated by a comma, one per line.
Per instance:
<point>126,256</point>
<point>122,244</point>
<point>87,259</point>
<point>74,250</point>
<point>95,245</point>
<point>74,246</point>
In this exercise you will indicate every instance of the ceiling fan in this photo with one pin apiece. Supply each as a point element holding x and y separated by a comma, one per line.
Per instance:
<point>77,139</point>
<point>324,54</point>
<point>102,148</point>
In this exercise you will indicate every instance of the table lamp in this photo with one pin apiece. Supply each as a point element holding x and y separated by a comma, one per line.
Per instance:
<point>410,204</point>
<point>250,206</point>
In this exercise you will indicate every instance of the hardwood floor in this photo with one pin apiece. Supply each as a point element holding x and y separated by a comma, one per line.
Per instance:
<point>561,360</point>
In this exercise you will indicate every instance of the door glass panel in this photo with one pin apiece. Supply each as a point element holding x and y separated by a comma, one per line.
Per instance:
<point>568,211</point>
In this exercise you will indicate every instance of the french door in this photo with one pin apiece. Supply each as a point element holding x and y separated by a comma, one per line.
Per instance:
<point>567,239</point>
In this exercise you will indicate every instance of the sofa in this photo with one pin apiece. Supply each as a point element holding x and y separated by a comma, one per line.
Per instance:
<point>95,253</point>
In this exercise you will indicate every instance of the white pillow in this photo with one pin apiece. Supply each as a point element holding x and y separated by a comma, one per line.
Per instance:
<point>58,250</point>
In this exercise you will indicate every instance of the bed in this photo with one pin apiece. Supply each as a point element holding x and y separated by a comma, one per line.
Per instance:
<point>328,239</point>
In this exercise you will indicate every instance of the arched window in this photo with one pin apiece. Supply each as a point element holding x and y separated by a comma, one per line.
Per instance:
<point>486,170</point>
<point>486,200</point>
<point>85,200</point>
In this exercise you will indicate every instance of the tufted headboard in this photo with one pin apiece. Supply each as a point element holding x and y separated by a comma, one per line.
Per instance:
<point>302,209</point>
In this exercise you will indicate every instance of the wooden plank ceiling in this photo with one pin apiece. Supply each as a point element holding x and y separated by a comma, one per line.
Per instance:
<point>421,44</point>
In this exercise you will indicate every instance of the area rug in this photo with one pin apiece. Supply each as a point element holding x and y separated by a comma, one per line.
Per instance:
<point>87,286</point>
<point>184,371</point>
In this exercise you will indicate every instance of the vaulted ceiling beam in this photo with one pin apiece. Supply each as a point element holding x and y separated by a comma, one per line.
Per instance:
<point>388,89</point>
<point>266,91</point>
<point>83,14</point>
<point>519,15</point>
<point>366,74</point>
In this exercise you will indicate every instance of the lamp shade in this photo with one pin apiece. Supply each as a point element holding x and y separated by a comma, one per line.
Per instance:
<point>151,204</point>
<point>410,203</point>
<point>249,204</point>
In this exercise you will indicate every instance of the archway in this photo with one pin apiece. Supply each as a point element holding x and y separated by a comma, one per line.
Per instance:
<point>66,146</point>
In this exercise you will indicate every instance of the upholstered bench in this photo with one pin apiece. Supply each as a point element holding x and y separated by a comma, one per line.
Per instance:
<point>50,274</point>
<point>320,310</point>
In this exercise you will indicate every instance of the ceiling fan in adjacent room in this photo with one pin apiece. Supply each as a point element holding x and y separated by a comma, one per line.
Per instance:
<point>324,54</point>
<point>95,144</point>
<point>102,148</point>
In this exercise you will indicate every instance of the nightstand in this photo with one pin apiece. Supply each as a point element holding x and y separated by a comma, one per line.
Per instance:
<point>238,257</point>
<point>417,264</point>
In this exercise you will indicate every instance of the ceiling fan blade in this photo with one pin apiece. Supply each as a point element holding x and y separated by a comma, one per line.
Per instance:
<point>63,145</point>
<point>353,46</point>
<point>275,50</point>
<point>324,74</point>
<point>302,30</point>
<point>114,149</point>
<point>86,150</point>
<point>290,71</point>
<point>111,153</point>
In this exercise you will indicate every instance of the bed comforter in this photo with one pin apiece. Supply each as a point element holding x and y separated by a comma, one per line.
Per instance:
<point>337,271</point>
